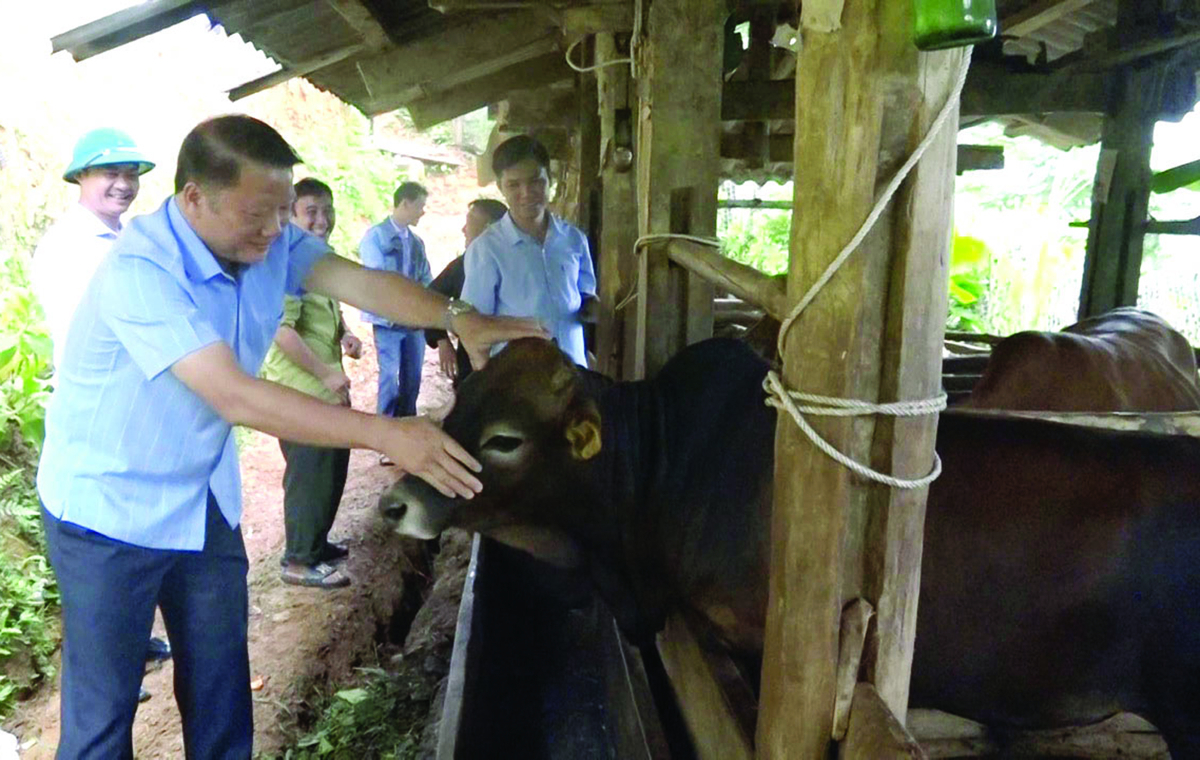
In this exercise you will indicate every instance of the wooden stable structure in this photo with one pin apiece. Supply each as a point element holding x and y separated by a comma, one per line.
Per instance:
<point>833,94</point>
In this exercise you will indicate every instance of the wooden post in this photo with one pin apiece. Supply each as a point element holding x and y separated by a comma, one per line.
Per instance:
<point>615,331</point>
<point>873,333</point>
<point>677,163</point>
<point>1121,195</point>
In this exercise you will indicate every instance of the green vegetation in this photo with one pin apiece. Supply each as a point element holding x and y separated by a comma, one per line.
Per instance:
<point>1017,259</point>
<point>380,718</point>
<point>28,595</point>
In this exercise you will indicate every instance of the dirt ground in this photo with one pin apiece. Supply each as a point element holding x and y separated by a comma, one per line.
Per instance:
<point>299,637</point>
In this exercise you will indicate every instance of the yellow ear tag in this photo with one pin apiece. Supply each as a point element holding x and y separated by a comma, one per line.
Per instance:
<point>584,437</point>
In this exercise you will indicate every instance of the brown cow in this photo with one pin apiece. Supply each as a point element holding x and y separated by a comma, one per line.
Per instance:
<point>1126,360</point>
<point>1061,574</point>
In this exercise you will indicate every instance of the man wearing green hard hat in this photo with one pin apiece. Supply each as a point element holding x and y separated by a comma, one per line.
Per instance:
<point>107,165</point>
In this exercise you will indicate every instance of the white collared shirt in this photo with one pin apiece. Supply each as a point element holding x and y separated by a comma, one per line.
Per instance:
<point>63,265</point>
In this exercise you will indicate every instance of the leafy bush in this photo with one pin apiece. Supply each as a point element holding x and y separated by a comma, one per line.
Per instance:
<point>29,632</point>
<point>382,718</point>
<point>757,238</point>
<point>25,355</point>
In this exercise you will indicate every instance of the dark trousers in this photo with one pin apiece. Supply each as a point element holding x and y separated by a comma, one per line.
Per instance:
<point>109,590</point>
<point>313,482</point>
<point>401,353</point>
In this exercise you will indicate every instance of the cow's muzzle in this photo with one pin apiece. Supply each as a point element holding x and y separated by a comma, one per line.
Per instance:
<point>408,512</point>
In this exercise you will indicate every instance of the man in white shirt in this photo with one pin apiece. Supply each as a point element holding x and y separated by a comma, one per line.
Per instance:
<point>107,165</point>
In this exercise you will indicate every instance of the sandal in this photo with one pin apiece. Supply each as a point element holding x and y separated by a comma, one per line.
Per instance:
<point>322,575</point>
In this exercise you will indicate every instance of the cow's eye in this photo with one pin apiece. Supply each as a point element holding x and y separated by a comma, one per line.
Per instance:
<point>503,444</point>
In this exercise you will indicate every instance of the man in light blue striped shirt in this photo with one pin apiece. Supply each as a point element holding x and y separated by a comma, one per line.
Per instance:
<point>139,474</point>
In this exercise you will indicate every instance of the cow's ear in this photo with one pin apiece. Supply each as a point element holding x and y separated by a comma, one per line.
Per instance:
<point>583,430</point>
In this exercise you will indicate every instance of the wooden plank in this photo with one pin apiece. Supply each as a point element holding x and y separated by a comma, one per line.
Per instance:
<point>638,728</point>
<point>1039,14</point>
<point>677,169</point>
<point>718,731</point>
<point>747,283</point>
<point>853,638</point>
<point>911,360</point>
<point>1183,227</point>
<point>970,158</point>
<point>124,26</point>
<point>447,104</point>
<point>463,661</point>
<point>993,90</point>
<point>360,19</point>
<point>874,733</point>
<point>455,56</point>
<point>874,332</point>
<point>616,331</point>
<point>596,19</point>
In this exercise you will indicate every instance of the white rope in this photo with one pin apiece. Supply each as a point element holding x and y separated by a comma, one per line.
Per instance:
<point>585,69</point>
<point>781,398</point>
<point>642,241</point>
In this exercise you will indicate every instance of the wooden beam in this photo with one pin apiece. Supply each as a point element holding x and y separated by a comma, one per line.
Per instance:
<point>873,333</point>
<point>454,57</point>
<point>596,19</point>
<point>295,70</point>
<point>117,29</point>
<point>616,331</point>
<point>747,283</point>
<point>1183,227</point>
<point>360,19</point>
<point>677,169</point>
<point>970,158</point>
<point>1039,14</point>
<point>979,158</point>
<point>442,105</point>
<point>545,107</point>
<point>993,90</point>
<point>719,729</point>
<point>875,733</point>
<point>758,101</point>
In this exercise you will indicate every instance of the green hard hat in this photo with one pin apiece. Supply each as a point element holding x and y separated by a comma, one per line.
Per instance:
<point>103,147</point>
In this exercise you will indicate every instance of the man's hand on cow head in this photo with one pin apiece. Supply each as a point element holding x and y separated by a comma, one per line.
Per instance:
<point>479,332</point>
<point>420,447</point>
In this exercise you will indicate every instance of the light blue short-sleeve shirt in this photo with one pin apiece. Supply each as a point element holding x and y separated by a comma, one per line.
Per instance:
<point>508,272</point>
<point>130,451</point>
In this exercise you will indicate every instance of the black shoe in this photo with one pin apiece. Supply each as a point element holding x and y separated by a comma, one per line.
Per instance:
<point>143,695</point>
<point>157,650</point>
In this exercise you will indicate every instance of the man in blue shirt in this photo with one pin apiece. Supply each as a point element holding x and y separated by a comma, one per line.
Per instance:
<point>139,475</point>
<point>393,247</point>
<point>532,263</point>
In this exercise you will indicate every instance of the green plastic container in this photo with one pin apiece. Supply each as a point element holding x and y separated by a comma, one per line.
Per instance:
<point>942,24</point>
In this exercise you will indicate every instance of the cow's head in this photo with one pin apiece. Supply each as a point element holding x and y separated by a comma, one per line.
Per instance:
<point>526,420</point>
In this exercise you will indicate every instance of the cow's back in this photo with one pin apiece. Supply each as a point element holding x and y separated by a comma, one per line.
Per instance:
<point>1061,575</point>
<point>1126,360</point>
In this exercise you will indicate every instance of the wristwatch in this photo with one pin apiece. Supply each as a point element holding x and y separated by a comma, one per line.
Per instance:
<point>455,307</point>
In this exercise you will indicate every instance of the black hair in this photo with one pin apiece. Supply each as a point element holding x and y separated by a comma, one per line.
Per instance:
<point>313,187</point>
<point>409,191</point>
<point>213,152</point>
<point>514,150</point>
<point>494,210</point>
